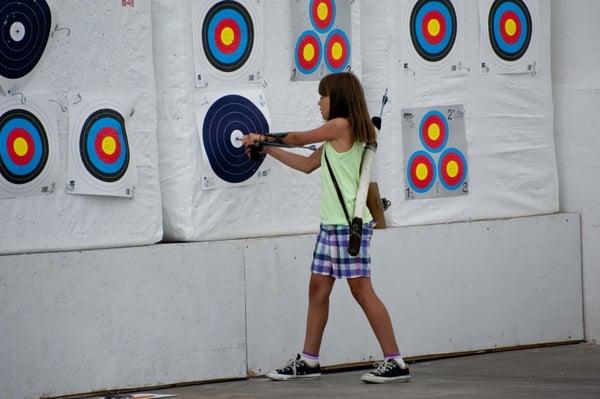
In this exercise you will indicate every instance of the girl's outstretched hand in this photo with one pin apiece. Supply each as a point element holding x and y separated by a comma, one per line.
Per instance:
<point>251,138</point>
<point>252,151</point>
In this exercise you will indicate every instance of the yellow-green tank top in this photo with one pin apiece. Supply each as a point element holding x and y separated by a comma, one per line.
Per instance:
<point>346,169</point>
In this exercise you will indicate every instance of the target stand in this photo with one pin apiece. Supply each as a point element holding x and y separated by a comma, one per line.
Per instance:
<point>25,27</point>
<point>101,158</point>
<point>435,152</point>
<point>223,120</point>
<point>509,30</point>
<point>322,32</point>
<point>432,36</point>
<point>28,148</point>
<point>228,45</point>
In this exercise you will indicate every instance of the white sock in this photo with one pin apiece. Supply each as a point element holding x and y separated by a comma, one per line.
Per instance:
<point>398,359</point>
<point>310,359</point>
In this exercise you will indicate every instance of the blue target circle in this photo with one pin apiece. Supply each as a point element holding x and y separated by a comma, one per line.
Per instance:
<point>322,23</point>
<point>436,116</point>
<point>453,182</point>
<point>24,31</point>
<point>433,28</point>
<point>225,117</point>
<point>105,165</point>
<point>228,35</point>
<point>308,66</point>
<point>420,158</point>
<point>22,167</point>
<point>510,29</point>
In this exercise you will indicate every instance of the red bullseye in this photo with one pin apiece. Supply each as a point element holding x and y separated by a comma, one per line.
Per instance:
<point>309,52</point>
<point>108,145</point>
<point>21,147</point>
<point>510,27</point>
<point>322,14</point>
<point>228,36</point>
<point>434,27</point>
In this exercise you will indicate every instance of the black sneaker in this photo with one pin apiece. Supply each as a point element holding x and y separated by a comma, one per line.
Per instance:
<point>387,371</point>
<point>295,369</point>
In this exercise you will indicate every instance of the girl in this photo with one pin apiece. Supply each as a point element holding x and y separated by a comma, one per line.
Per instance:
<point>346,129</point>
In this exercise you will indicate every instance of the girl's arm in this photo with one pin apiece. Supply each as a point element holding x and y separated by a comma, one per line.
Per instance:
<point>306,164</point>
<point>334,129</point>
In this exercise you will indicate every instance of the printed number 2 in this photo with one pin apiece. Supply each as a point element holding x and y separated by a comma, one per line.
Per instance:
<point>465,188</point>
<point>450,114</point>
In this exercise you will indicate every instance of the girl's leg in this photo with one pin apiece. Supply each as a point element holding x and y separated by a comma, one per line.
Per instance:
<point>318,311</point>
<point>376,313</point>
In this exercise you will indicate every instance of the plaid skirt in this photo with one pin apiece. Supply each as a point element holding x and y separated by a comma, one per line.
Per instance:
<point>331,256</point>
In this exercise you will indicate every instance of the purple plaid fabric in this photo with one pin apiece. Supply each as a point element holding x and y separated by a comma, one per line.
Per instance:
<point>331,256</point>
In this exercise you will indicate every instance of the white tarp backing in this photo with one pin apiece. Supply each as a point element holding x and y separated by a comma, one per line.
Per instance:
<point>99,47</point>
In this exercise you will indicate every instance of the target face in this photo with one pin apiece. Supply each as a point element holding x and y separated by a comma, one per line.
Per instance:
<point>322,14</point>
<point>421,172</point>
<point>103,145</point>
<point>309,52</point>
<point>510,29</point>
<point>23,146</point>
<point>228,36</point>
<point>337,51</point>
<point>434,131</point>
<point>226,122</point>
<point>452,169</point>
<point>25,28</point>
<point>433,28</point>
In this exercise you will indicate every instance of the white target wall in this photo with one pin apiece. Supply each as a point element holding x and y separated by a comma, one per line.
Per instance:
<point>508,118</point>
<point>100,49</point>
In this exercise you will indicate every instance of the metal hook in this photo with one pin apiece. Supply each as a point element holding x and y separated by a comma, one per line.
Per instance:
<point>265,83</point>
<point>58,29</point>
<point>22,98</point>
<point>62,107</point>
<point>131,112</point>
<point>79,99</point>
<point>407,68</point>
<point>293,73</point>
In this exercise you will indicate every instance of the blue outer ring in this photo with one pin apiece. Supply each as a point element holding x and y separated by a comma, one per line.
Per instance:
<point>97,162</point>
<point>465,174</point>
<point>433,52</point>
<point>409,177</point>
<point>297,61</point>
<point>348,55</point>
<point>22,174</point>
<point>229,113</point>
<point>504,50</point>
<point>314,23</point>
<point>224,58</point>
<point>422,124</point>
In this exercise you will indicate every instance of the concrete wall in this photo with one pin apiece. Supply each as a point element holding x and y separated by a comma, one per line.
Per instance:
<point>576,82</point>
<point>77,322</point>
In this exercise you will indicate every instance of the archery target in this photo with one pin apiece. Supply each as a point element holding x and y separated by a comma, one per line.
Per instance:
<point>433,32</point>
<point>225,41</point>
<point>28,149</point>
<point>25,29</point>
<point>420,172</point>
<point>308,52</point>
<point>434,131</point>
<point>509,34</point>
<point>322,14</point>
<point>322,33</point>
<point>452,169</point>
<point>337,51</point>
<point>223,120</point>
<point>100,161</point>
<point>434,142</point>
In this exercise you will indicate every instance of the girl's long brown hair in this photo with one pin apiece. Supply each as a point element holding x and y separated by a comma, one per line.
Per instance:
<point>347,100</point>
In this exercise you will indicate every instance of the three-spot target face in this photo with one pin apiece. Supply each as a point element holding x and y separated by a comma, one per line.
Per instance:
<point>337,51</point>
<point>103,145</point>
<point>433,28</point>
<point>227,35</point>
<point>421,172</point>
<point>434,131</point>
<point>226,122</point>
<point>24,31</point>
<point>510,29</point>
<point>308,53</point>
<point>23,146</point>
<point>453,169</point>
<point>322,14</point>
